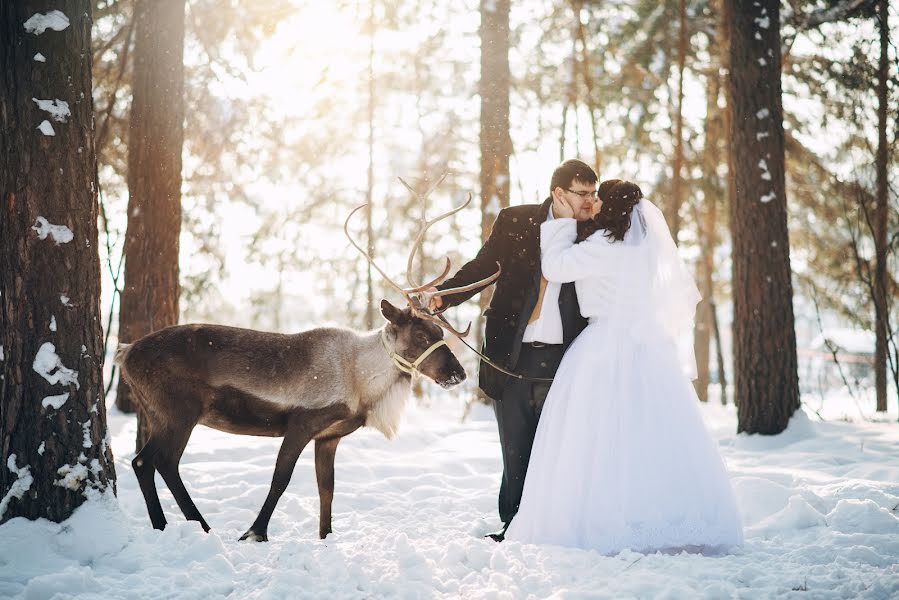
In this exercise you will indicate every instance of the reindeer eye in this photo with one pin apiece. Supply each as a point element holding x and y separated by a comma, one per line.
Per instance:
<point>422,338</point>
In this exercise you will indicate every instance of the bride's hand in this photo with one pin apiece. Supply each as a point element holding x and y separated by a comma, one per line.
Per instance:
<point>561,209</point>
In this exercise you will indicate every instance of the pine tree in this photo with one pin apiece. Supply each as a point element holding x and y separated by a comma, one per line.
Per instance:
<point>54,444</point>
<point>765,367</point>
<point>151,288</point>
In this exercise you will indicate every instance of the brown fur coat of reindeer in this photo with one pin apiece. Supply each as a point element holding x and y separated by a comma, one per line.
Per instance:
<point>319,385</point>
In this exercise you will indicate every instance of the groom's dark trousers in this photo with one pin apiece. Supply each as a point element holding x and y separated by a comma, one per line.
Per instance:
<point>514,243</point>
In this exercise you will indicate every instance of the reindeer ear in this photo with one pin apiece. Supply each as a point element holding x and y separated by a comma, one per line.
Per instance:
<point>390,312</point>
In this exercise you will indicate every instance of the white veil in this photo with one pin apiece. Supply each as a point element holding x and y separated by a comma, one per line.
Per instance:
<point>672,291</point>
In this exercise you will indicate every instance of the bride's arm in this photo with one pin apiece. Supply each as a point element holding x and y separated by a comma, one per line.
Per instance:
<point>563,260</point>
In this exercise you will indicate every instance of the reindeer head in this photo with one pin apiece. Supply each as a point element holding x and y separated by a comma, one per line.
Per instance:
<point>411,337</point>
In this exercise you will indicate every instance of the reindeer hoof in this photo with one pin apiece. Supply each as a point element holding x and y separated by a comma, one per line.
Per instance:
<point>254,537</point>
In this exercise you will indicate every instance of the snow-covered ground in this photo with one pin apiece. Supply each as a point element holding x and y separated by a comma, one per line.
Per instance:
<point>820,504</point>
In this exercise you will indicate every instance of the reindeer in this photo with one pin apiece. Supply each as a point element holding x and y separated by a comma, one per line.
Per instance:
<point>320,385</point>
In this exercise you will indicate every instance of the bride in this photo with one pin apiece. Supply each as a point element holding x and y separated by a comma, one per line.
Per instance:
<point>621,458</point>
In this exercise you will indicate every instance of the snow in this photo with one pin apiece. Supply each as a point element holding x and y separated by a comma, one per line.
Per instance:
<point>39,23</point>
<point>46,128</point>
<point>55,401</point>
<point>763,113</point>
<point>47,361</point>
<point>766,174</point>
<point>60,233</point>
<point>65,300</point>
<point>52,323</point>
<point>40,57</point>
<point>71,476</point>
<point>768,197</point>
<point>763,22</point>
<point>86,434</point>
<point>819,504</point>
<point>21,485</point>
<point>58,109</point>
<point>40,449</point>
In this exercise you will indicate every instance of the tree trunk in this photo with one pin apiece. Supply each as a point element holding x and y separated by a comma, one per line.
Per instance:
<point>677,166</point>
<point>155,139</point>
<point>54,444</point>
<point>881,305</point>
<point>707,221</point>
<point>723,26</point>
<point>369,228</point>
<point>577,6</point>
<point>496,145</point>
<point>765,371</point>
<point>719,354</point>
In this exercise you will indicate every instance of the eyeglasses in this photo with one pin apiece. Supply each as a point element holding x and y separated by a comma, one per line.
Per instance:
<point>591,194</point>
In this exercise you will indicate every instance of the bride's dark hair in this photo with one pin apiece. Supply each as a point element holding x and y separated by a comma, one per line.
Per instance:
<point>618,200</point>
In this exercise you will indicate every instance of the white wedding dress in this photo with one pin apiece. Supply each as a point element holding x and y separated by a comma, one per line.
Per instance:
<point>621,458</point>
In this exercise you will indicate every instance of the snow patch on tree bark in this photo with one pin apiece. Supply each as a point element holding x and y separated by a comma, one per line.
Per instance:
<point>60,233</point>
<point>46,362</point>
<point>55,401</point>
<point>58,109</point>
<point>21,485</point>
<point>39,23</point>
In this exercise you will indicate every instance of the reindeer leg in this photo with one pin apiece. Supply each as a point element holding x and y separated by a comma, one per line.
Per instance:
<point>302,426</point>
<point>295,440</point>
<point>145,471</point>
<point>167,463</point>
<point>325,450</point>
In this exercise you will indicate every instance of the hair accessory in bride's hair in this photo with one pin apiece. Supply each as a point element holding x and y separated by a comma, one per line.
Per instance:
<point>618,201</point>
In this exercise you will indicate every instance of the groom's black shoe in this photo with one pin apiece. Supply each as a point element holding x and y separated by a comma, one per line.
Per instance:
<point>498,536</point>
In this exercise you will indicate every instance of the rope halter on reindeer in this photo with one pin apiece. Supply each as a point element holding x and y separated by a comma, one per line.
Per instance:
<point>401,363</point>
<point>417,296</point>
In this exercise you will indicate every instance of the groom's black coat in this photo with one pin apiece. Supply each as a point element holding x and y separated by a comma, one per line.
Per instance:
<point>514,243</point>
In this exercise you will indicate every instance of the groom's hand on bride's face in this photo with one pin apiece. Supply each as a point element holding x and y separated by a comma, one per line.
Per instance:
<point>561,208</point>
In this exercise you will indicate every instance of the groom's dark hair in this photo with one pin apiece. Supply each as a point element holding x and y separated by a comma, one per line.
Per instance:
<point>568,171</point>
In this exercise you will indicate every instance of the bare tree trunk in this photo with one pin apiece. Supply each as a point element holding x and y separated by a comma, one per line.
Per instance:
<point>724,26</point>
<point>719,353</point>
<point>577,5</point>
<point>54,444</point>
<point>881,304</point>
<point>369,230</point>
<point>677,166</point>
<point>766,379</point>
<point>565,108</point>
<point>496,145</point>
<point>155,139</point>
<point>707,222</point>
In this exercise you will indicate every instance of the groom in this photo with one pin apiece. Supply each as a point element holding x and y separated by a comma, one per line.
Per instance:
<point>529,324</point>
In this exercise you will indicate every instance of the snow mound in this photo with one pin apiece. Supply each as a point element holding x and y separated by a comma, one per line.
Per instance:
<point>862,516</point>
<point>798,514</point>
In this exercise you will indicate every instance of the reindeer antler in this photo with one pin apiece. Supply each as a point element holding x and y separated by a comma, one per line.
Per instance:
<point>413,294</point>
